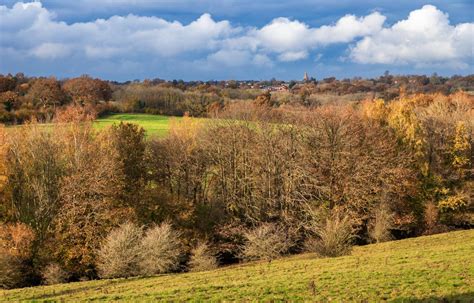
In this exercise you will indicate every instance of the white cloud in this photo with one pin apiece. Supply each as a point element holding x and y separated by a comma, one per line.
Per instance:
<point>51,50</point>
<point>424,38</point>
<point>348,28</point>
<point>262,60</point>
<point>293,56</point>
<point>230,58</point>
<point>31,27</point>
<point>292,40</point>
<point>283,35</point>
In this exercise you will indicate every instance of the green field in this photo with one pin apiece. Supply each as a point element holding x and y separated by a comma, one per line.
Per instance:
<point>437,268</point>
<point>154,125</point>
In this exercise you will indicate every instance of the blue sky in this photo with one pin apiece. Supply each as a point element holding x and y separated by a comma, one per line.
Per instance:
<point>230,39</point>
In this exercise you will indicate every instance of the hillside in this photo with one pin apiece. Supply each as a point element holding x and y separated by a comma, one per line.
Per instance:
<point>430,268</point>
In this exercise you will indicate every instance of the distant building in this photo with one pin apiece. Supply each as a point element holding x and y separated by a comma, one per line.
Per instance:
<point>306,77</point>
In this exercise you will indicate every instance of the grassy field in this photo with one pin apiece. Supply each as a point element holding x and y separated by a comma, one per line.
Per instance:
<point>154,125</point>
<point>437,268</point>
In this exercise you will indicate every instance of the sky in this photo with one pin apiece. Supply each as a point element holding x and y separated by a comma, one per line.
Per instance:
<point>236,39</point>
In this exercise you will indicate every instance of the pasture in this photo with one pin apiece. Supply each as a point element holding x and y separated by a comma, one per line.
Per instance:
<point>437,268</point>
<point>154,125</point>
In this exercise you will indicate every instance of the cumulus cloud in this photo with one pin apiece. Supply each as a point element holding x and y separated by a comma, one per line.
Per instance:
<point>424,38</point>
<point>292,39</point>
<point>348,28</point>
<point>32,27</point>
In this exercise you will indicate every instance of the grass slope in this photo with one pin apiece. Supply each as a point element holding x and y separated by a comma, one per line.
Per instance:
<point>154,125</point>
<point>432,268</point>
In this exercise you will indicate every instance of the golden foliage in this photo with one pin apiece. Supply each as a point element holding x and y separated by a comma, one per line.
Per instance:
<point>453,203</point>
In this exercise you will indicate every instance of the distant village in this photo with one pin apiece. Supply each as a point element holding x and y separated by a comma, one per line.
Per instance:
<point>390,84</point>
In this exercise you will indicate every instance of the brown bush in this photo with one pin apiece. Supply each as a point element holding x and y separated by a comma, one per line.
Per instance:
<point>53,274</point>
<point>161,249</point>
<point>382,223</point>
<point>333,237</point>
<point>202,259</point>
<point>121,253</point>
<point>431,220</point>
<point>266,242</point>
<point>15,253</point>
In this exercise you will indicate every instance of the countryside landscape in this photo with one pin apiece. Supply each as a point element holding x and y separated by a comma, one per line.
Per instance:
<point>331,160</point>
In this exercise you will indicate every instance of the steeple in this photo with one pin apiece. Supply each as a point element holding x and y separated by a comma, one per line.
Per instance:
<point>305,78</point>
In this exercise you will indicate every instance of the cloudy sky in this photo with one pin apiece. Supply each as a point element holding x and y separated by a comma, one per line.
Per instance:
<point>236,39</point>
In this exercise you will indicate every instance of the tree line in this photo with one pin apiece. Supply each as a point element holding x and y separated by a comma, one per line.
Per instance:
<point>25,98</point>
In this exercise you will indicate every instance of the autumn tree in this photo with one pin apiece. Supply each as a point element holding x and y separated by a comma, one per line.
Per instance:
<point>354,163</point>
<point>9,100</point>
<point>86,90</point>
<point>34,181</point>
<point>88,192</point>
<point>128,141</point>
<point>5,209</point>
<point>7,83</point>
<point>46,92</point>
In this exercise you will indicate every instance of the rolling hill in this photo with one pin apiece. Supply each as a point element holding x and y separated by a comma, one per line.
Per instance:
<point>425,269</point>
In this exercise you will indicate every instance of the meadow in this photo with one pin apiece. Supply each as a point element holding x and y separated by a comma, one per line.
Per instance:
<point>424,269</point>
<point>154,125</point>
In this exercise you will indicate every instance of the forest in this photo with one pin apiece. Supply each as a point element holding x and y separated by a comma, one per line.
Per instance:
<point>319,167</point>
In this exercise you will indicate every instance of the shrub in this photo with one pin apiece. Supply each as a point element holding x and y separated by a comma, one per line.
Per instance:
<point>161,249</point>
<point>266,242</point>
<point>382,223</point>
<point>333,237</point>
<point>15,253</point>
<point>431,220</point>
<point>202,259</point>
<point>53,274</point>
<point>10,271</point>
<point>120,253</point>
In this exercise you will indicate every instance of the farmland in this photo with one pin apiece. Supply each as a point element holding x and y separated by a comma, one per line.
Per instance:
<point>438,267</point>
<point>154,125</point>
